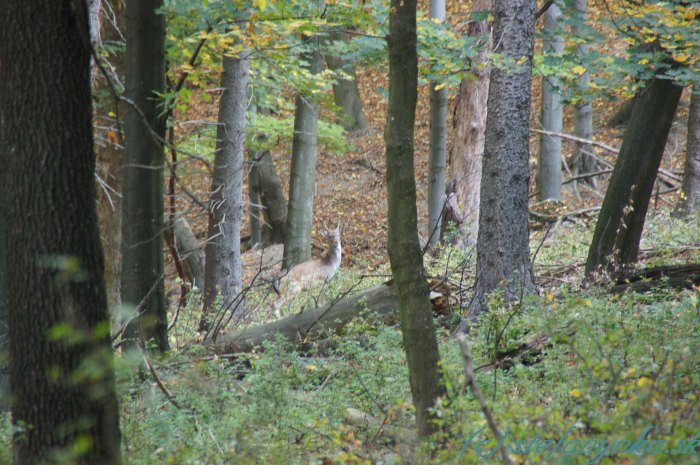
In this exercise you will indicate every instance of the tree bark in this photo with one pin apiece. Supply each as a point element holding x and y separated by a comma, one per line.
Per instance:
<point>470,128</point>
<point>110,158</point>
<point>255,201</point>
<point>4,333</point>
<point>549,163</point>
<point>584,161</point>
<point>405,255</point>
<point>503,249</point>
<point>190,252</point>
<point>617,233</point>
<point>297,242</point>
<point>438,145</point>
<point>59,323</point>
<point>690,191</point>
<point>222,272</point>
<point>346,92</point>
<point>273,200</point>
<point>143,209</point>
<point>314,323</point>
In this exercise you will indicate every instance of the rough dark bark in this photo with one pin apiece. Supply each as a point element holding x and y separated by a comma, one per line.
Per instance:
<point>297,241</point>
<point>190,252</point>
<point>110,157</point>
<point>470,128</point>
<point>623,114</point>
<point>222,272</point>
<point>617,233</point>
<point>310,324</point>
<point>59,323</point>
<point>690,191</point>
<point>584,161</point>
<point>346,92</point>
<point>549,157</point>
<point>410,282</point>
<point>143,209</point>
<point>4,333</point>
<point>503,249</point>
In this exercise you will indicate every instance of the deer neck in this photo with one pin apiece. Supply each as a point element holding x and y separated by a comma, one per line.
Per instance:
<point>335,254</point>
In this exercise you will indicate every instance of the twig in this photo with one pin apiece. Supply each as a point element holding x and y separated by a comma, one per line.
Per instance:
<point>471,382</point>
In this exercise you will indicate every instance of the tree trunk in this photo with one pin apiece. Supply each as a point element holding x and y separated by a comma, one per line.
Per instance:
<point>318,322</point>
<point>59,323</point>
<point>273,199</point>
<point>254,199</point>
<point>470,128</point>
<point>621,220</point>
<point>584,161</point>
<point>405,255</point>
<point>4,333</point>
<point>110,158</point>
<point>297,242</point>
<point>190,252</point>
<point>690,192</point>
<point>346,91</point>
<point>549,163</point>
<point>503,249</point>
<point>438,145</point>
<point>222,273</point>
<point>143,210</point>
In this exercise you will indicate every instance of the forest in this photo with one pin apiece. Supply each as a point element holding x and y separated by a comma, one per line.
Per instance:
<point>329,232</point>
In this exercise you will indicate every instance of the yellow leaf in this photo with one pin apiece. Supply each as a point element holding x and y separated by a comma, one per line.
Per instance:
<point>681,58</point>
<point>578,69</point>
<point>643,381</point>
<point>440,86</point>
<point>260,4</point>
<point>550,296</point>
<point>575,393</point>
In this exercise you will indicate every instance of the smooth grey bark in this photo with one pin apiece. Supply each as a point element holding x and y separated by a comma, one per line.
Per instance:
<point>254,199</point>
<point>690,191</point>
<point>583,161</point>
<point>346,92</point>
<point>110,157</point>
<point>549,158</point>
<point>503,248</point>
<point>620,223</point>
<point>222,272</point>
<point>190,252</point>
<point>438,145</point>
<point>53,255</point>
<point>470,129</point>
<point>411,286</point>
<point>297,241</point>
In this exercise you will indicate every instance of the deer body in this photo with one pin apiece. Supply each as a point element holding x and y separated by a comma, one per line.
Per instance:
<point>308,274</point>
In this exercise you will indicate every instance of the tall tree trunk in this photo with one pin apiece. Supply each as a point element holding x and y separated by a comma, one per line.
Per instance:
<point>470,128</point>
<point>4,333</point>
<point>297,242</point>
<point>273,200</point>
<point>503,249</point>
<point>617,233</point>
<point>189,251</point>
<point>110,157</point>
<point>255,201</point>
<point>549,163</point>
<point>405,255</point>
<point>222,272</point>
<point>438,145</point>
<point>690,192</point>
<point>59,323</point>
<point>584,160</point>
<point>143,210</point>
<point>346,92</point>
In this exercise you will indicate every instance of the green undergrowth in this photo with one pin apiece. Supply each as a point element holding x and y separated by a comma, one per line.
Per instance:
<point>590,372</point>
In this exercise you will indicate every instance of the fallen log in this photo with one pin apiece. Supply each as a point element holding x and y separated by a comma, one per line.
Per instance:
<point>380,302</point>
<point>675,276</point>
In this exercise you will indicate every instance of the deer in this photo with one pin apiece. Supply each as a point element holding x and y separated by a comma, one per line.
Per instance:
<point>292,281</point>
